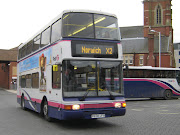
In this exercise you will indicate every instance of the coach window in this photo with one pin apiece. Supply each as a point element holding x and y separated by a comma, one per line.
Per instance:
<point>56,31</point>
<point>35,80</point>
<point>45,37</point>
<point>36,43</point>
<point>28,81</point>
<point>148,74</point>
<point>56,76</point>
<point>23,81</point>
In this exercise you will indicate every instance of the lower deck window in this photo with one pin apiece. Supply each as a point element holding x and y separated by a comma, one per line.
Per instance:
<point>35,80</point>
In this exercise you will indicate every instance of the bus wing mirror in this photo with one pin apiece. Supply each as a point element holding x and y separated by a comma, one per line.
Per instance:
<point>125,66</point>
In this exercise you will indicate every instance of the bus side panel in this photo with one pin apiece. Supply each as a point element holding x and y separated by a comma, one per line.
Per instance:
<point>32,105</point>
<point>54,112</point>
<point>140,89</point>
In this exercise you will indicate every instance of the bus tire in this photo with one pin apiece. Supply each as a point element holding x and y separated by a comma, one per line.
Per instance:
<point>167,94</point>
<point>23,103</point>
<point>45,111</point>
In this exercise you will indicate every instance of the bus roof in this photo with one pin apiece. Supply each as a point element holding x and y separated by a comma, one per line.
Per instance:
<point>60,16</point>
<point>151,68</point>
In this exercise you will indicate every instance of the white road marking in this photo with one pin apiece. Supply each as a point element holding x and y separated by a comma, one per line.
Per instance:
<point>138,110</point>
<point>166,113</point>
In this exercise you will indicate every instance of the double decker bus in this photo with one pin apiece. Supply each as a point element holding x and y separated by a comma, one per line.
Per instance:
<point>62,69</point>
<point>151,82</point>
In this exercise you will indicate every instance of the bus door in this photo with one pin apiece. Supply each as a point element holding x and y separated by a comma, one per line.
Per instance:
<point>56,82</point>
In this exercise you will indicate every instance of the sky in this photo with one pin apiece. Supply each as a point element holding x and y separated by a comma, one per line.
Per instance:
<point>21,19</point>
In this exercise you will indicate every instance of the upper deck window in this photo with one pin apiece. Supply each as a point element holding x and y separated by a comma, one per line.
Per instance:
<point>88,25</point>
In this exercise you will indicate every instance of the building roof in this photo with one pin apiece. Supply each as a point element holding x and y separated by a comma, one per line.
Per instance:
<point>133,41</point>
<point>176,46</point>
<point>8,55</point>
<point>132,32</point>
<point>135,45</point>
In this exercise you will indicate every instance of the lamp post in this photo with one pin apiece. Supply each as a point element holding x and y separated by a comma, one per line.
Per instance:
<point>159,46</point>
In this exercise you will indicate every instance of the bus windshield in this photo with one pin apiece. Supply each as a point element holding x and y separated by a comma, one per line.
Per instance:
<point>96,78</point>
<point>86,25</point>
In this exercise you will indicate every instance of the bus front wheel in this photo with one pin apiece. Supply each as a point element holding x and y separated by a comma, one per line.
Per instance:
<point>45,111</point>
<point>167,94</point>
<point>23,102</point>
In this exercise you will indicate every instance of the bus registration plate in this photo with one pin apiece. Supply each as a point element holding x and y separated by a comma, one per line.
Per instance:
<point>98,116</point>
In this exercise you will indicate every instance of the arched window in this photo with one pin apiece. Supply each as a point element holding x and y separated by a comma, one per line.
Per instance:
<point>158,15</point>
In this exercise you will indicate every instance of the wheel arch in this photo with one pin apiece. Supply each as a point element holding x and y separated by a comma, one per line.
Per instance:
<point>42,103</point>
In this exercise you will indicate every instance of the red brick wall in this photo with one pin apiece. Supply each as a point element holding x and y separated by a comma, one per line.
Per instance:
<point>4,70</point>
<point>12,64</point>
<point>6,74</point>
<point>165,60</point>
<point>149,17</point>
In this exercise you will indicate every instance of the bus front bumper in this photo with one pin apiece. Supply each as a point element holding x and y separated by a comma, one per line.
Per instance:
<point>92,113</point>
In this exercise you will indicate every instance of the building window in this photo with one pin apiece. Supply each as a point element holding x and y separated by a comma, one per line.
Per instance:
<point>158,15</point>
<point>141,60</point>
<point>128,58</point>
<point>179,60</point>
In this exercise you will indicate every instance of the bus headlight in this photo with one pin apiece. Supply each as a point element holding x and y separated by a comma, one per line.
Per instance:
<point>75,107</point>
<point>117,105</point>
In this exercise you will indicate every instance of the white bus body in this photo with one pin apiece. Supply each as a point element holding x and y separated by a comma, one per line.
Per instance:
<point>56,65</point>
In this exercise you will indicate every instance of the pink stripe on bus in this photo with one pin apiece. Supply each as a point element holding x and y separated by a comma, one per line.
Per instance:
<point>155,82</point>
<point>82,106</point>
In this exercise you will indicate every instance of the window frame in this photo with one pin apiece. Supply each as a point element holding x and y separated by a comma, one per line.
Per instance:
<point>37,38</point>
<point>141,60</point>
<point>29,76</point>
<point>23,78</point>
<point>35,77</point>
<point>56,72</point>
<point>58,21</point>
<point>43,33</point>
<point>158,15</point>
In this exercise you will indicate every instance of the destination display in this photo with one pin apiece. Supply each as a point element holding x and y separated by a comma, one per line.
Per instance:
<point>94,49</point>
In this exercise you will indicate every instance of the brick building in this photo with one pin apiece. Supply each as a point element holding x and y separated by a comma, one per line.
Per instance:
<point>8,68</point>
<point>141,45</point>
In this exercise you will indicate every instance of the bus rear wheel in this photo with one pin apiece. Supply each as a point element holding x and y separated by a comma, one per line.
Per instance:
<point>45,111</point>
<point>167,94</point>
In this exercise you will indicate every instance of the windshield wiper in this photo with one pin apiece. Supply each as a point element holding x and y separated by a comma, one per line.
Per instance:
<point>85,95</point>
<point>111,95</point>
